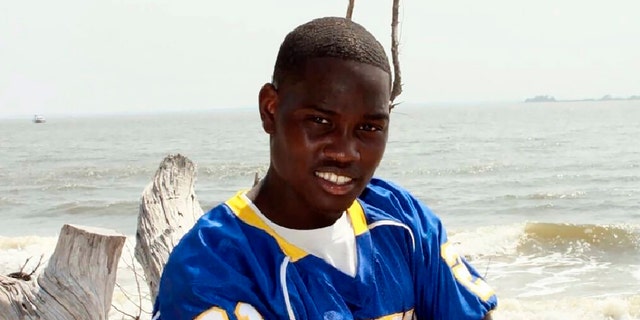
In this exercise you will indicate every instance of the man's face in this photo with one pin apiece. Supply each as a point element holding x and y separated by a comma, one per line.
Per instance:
<point>328,132</point>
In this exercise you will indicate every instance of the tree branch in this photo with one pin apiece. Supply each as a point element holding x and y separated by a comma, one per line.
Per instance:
<point>397,78</point>
<point>350,9</point>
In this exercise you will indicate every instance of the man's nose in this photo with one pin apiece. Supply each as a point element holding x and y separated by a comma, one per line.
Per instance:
<point>342,147</point>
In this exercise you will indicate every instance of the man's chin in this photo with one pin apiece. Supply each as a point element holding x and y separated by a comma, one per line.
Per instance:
<point>335,205</point>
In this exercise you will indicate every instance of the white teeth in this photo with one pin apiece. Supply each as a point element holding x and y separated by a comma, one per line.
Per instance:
<point>332,177</point>
<point>342,180</point>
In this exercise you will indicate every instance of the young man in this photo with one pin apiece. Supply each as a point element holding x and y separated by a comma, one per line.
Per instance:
<point>318,237</point>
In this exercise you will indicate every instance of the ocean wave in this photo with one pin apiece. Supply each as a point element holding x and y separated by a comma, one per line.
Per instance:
<point>497,240</point>
<point>479,168</point>
<point>546,239</point>
<point>93,208</point>
<point>92,173</point>
<point>550,306</point>
<point>216,170</point>
<point>14,252</point>
<point>618,307</point>
<point>20,243</point>
<point>535,260</point>
<point>8,202</point>
<point>395,167</point>
<point>581,238</point>
<point>546,196</point>
<point>67,186</point>
<point>232,170</point>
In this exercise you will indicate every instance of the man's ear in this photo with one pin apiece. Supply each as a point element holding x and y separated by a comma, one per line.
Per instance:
<point>268,103</point>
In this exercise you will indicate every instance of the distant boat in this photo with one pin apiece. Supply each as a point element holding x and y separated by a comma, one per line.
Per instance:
<point>39,119</point>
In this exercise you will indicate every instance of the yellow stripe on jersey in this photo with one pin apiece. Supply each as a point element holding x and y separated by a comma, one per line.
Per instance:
<point>243,311</point>
<point>246,311</point>
<point>462,274</point>
<point>242,209</point>
<point>214,313</point>
<point>358,220</point>
<point>408,315</point>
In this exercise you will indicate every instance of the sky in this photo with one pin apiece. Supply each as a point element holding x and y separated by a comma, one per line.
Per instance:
<point>114,56</point>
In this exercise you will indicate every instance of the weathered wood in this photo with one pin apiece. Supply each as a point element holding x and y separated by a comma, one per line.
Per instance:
<point>169,208</point>
<point>396,89</point>
<point>350,9</point>
<point>77,283</point>
<point>397,74</point>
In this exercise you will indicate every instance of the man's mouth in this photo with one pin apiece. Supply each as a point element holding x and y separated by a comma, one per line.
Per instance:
<point>333,178</point>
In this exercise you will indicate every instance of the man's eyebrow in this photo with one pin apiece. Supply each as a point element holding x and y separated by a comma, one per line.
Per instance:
<point>377,116</point>
<point>370,116</point>
<point>320,109</point>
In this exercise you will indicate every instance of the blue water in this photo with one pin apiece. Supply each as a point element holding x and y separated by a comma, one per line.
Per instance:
<point>521,187</point>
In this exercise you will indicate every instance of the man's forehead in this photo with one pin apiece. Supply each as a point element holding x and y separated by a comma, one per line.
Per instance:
<point>335,73</point>
<point>323,70</point>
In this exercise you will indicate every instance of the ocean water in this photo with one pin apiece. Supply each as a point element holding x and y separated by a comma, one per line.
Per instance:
<point>544,199</point>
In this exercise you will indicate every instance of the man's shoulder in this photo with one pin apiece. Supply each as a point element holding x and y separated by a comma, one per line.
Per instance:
<point>209,230</point>
<point>384,186</point>
<point>220,238</point>
<point>383,199</point>
<point>387,196</point>
<point>224,224</point>
<point>219,219</point>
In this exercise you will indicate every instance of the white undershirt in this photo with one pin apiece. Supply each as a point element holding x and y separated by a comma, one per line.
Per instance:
<point>335,244</point>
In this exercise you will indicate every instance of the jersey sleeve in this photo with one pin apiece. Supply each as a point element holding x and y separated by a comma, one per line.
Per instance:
<point>201,280</point>
<point>460,292</point>
<point>447,286</point>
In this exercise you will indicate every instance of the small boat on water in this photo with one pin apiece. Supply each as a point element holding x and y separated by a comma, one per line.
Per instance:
<point>39,119</point>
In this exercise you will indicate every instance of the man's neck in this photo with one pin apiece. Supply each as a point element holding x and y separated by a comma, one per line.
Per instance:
<point>283,206</point>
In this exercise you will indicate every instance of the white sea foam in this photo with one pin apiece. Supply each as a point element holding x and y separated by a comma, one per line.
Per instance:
<point>488,240</point>
<point>636,273</point>
<point>14,251</point>
<point>547,304</point>
<point>611,308</point>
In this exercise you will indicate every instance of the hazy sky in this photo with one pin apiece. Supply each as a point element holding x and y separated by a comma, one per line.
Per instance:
<point>83,56</point>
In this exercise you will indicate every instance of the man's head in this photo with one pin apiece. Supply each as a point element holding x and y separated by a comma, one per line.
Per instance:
<point>327,114</point>
<point>329,37</point>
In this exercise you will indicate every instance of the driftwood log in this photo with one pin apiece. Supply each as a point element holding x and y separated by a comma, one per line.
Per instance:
<point>77,283</point>
<point>168,209</point>
<point>80,277</point>
<point>396,88</point>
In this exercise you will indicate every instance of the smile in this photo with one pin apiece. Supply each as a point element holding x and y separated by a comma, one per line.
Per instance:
<point>333,178</point>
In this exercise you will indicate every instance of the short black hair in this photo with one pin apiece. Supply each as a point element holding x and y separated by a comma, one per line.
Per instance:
<point>329,37</point>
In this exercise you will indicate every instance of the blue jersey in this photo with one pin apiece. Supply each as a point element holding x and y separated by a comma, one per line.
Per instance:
<point>232,265</point>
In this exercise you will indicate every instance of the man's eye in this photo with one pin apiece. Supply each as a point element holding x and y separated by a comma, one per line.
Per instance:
<point>320,120</point>
<point>370,127</point>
